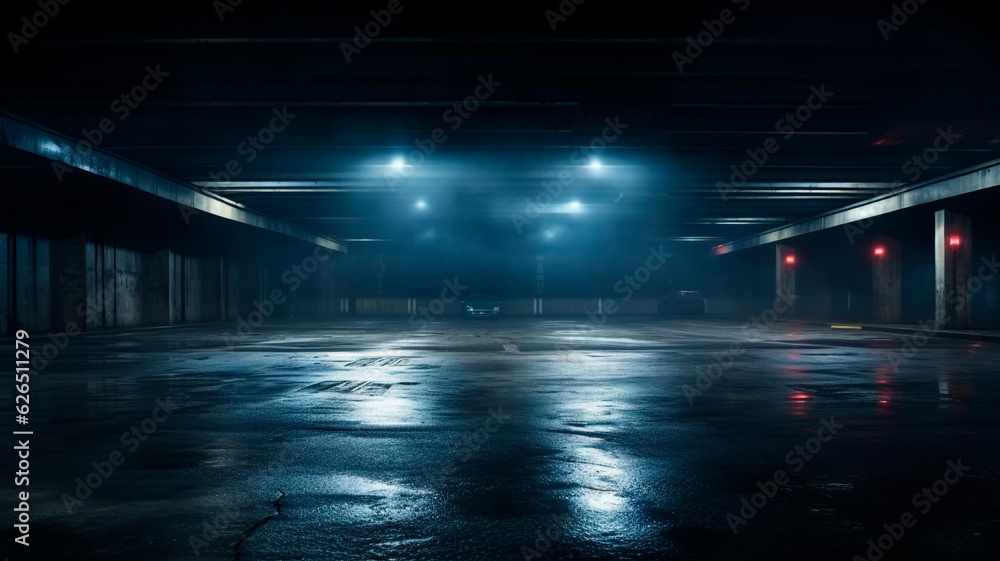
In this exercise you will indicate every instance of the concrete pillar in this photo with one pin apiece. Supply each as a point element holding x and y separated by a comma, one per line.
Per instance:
<point>99,257</point>
<point>952,266</point>
<point>32,283</point>
<point>128,284</point>
<point>784,275</point>
<point>326,293</point>
<point>234,281</point>
<point>176,286</point>
<point>158,272</point>
<point>69,258</point>
<point>211,289</point>
<point>108,315</point>
<point>192,287</point>
<point>887,274</point>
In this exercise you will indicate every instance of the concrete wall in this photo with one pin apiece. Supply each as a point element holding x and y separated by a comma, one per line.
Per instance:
<point>32,282</point>
<point>142,263</point>
<point>580,307</point>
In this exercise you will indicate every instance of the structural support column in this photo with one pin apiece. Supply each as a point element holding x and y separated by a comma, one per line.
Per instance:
<point>887,271</point>
<point>234,283</point>
<point>784,275</point>
<point>952,263</point>
<point>158,274</point>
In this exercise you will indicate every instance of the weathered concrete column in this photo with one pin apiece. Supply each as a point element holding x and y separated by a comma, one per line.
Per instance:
<point>69,264</point>
<point>176,283</point>
<point>952,263</point>
<point>326,294</point>
<point>233,282</point>
<point>784,275</point>
<point>32,282</point>
<point>157,272</point>
<point>192,288</point>
<point>887,272</point>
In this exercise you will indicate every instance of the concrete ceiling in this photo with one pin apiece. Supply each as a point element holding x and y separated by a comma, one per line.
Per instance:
<point>326,170</point>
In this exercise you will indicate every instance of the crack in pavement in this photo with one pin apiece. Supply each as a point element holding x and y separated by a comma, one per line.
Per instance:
<point>238,546</point>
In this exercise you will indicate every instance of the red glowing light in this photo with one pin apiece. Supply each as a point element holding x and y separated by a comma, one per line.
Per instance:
<point>880,250</point>
<point>954,241</point>
<point>790,259</point>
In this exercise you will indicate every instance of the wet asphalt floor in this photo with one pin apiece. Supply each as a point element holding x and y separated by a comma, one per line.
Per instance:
<point>512,439</point>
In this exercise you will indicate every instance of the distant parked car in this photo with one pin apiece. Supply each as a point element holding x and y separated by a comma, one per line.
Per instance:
<point>682,302</point>
<point>481,305</point>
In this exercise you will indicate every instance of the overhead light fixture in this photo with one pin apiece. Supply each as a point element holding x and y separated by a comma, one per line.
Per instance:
<point>421,204</point>
<point>595,164</point>
<point>398,162</point>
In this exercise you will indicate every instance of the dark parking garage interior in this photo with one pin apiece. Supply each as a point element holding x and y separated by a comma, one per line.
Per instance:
<point>735,262</point>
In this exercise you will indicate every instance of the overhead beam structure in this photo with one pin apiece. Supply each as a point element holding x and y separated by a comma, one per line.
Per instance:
<point>34,139</point>
<point>977,178</point>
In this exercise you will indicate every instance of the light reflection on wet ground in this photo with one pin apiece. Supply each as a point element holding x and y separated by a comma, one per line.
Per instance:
<point>345,420</point>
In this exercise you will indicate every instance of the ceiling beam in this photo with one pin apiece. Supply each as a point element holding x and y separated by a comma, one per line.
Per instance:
<point>34,139</point>
<point>977,178</point>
